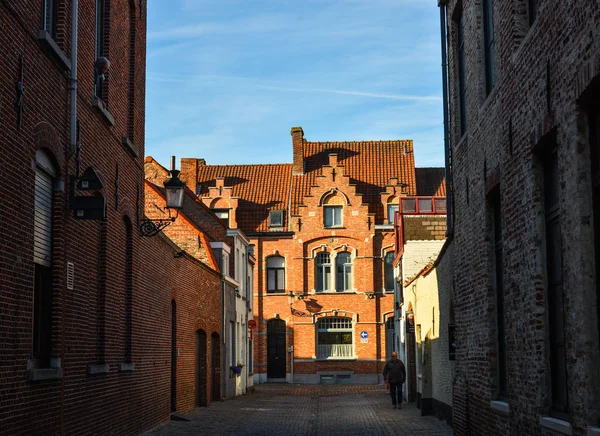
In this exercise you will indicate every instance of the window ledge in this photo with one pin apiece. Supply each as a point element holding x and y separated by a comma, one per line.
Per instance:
<point>48,43</point>
<point>127,367</point>
<point>99,104</point>
<point>97,368</point>
<point>41,374</point>
<point>384,227</point>
<point>334,227</point>
<point>555,424</point>
<point>500,406</point>
<point>593,431</point>
<point>129,146</point>
<point>337,359</point>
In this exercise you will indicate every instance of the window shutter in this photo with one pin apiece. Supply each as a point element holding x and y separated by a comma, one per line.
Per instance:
<point>42,231</point>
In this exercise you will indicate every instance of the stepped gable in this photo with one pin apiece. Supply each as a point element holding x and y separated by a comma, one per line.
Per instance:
<point>369,164</point>
<point>260,188</point>
<point>431,182</point>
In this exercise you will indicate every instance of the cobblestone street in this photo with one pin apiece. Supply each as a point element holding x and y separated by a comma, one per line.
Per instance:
<point>307,410</point>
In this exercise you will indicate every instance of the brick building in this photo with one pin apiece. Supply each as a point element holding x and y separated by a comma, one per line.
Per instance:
<point>322,228</point>
<point>523,90</point>
<point>83,350</point>
<point>216,366</point>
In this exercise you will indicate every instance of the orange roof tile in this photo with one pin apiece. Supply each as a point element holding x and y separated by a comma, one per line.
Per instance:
<point>260,188</point>
<point>431,182</point>
<point>370,165</point>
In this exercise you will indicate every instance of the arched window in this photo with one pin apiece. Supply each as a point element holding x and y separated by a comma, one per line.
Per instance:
<point>343,278</point>
<point>333,211</point>
<point>334,338</point>
<point>323,272</point>
<point>275,274</point>
<point>388,271</point>
<point>45,174</point>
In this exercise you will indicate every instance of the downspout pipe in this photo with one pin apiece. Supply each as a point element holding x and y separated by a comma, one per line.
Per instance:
<point>73,87</point>
<point>443,5</point>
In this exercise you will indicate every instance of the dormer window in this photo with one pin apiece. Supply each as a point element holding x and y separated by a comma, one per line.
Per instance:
<point>276,218</point>
<point>223,215</point>
<point>332,216</point>
<point>392,208</point>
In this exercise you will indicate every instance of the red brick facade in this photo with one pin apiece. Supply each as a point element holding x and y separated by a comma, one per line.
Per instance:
<point>359,179</point>
<point>85,331</point>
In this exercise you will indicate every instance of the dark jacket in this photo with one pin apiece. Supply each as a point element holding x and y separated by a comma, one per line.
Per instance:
<point>394,372</point>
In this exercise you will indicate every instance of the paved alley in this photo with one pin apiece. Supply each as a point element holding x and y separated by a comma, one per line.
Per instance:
<point>307,410</point>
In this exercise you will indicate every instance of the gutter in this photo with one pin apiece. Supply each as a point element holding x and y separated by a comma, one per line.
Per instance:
<point>443,4</point>
<point>73,87</point>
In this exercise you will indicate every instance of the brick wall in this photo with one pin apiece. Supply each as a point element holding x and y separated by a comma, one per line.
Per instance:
<point>543,72</point>
<point>366,245</point>
<point>89,321</point>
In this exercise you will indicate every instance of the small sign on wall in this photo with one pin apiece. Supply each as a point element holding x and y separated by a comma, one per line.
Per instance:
<point>364,337</point>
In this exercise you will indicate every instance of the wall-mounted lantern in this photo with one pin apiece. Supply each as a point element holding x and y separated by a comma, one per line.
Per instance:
<point>174,194</point>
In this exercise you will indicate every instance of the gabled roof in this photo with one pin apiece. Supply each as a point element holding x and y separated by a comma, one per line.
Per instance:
<point>260,188</point>
<point>370,165</point>
<point>431,182</point>
<point>210,257</point>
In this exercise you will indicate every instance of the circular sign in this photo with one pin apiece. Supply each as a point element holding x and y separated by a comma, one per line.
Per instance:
<point>251,324</point>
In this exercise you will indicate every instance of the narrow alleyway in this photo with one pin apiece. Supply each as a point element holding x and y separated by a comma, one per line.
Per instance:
<point>307,410</point>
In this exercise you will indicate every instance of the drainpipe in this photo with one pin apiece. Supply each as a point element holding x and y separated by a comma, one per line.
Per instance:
<point>73,87</point>
<point>224,367</point>
<point>442,4</point>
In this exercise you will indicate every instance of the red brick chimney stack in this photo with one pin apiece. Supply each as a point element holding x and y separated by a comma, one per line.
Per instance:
<point>298,146</point>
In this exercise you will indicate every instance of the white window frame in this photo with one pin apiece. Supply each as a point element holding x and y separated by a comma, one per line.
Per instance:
<point>273,213</point>
<point>334,324</point>
<point>336,221</point>
<point>346,272</point>
<point>391,208</point>
<point>320,270</point>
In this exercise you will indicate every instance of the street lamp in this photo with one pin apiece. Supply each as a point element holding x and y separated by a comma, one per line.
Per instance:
<point>174,192</point>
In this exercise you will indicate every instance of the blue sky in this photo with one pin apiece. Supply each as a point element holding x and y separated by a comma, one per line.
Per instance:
<point>227,79</point>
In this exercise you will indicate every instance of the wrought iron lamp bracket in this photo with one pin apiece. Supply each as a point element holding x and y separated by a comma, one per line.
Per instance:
<point>152,227</point>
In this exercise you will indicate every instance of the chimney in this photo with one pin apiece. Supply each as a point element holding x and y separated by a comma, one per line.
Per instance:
<point>298,147</point>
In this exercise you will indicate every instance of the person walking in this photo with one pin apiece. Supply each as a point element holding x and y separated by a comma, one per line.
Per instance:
<point>394,373</point>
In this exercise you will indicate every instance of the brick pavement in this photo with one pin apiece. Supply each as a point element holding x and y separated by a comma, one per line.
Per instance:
<point>307,410</point>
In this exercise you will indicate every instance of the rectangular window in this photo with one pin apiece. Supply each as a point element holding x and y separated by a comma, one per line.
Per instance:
<point>462,77</point>
<point>323,272</point>
<point>100,48</point>
<point>223,215</point>
<point>334,338</point>
<point>333,216</point>
<point>556,302</point>
<point>495,205</point>
<point>343,280</point>
<point>425,205</point>
<point>276,218</point>
<point>389,271</point>
<point>489,49</point>
<point>409,205</point>
<point>275,274</point>
<point>232,355</point>
<point>391,209</point>
<point>50,14</point>
<point>440,205</point>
